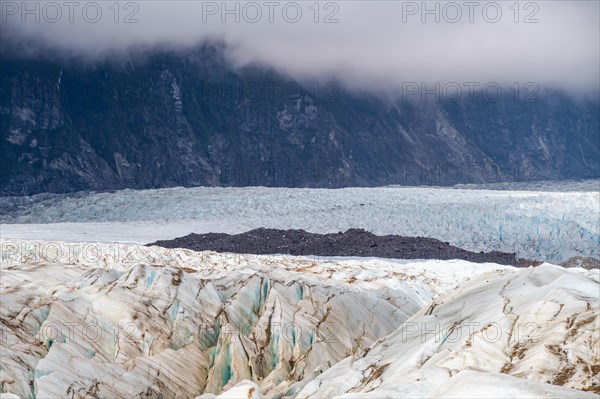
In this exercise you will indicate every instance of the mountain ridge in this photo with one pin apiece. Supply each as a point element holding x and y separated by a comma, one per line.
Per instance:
<point>189,118</point>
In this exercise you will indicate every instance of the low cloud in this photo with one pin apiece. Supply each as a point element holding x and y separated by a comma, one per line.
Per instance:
<point>366,45</point>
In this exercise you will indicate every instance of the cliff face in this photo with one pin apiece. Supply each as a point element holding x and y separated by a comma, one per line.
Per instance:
<point>172,119</point>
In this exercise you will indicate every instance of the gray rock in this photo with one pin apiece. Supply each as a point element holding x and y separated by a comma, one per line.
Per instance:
<point>189,119</point>
<point>583,262</point>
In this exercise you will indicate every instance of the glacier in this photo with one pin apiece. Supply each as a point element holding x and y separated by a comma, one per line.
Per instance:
<point>154,322</point>
<point>546,221</point>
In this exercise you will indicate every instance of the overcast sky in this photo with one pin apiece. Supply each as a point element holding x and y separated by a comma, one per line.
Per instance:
<point>365,44</point>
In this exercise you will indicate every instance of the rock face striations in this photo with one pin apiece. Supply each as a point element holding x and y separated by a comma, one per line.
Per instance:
<point>189,118</point>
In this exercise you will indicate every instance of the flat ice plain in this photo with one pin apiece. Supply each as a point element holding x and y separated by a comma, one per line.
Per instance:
<point>550,221</point>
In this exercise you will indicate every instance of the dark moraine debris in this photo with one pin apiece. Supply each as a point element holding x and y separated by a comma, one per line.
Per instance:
<point>354,242</point>
<point>582,261</point>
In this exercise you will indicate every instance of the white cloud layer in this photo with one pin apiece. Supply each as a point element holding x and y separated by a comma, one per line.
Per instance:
<point>373,44</point>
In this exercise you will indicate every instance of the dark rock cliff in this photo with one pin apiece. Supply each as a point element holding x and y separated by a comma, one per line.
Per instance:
<point>188,119</point>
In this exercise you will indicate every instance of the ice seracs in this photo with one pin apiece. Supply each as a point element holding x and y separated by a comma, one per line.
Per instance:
<point>127,322</point>
<point>124,323</point>
<point>509,333</point>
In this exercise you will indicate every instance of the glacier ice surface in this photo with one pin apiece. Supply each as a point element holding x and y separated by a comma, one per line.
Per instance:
<point>166,322</point>
<point>547,225</point>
